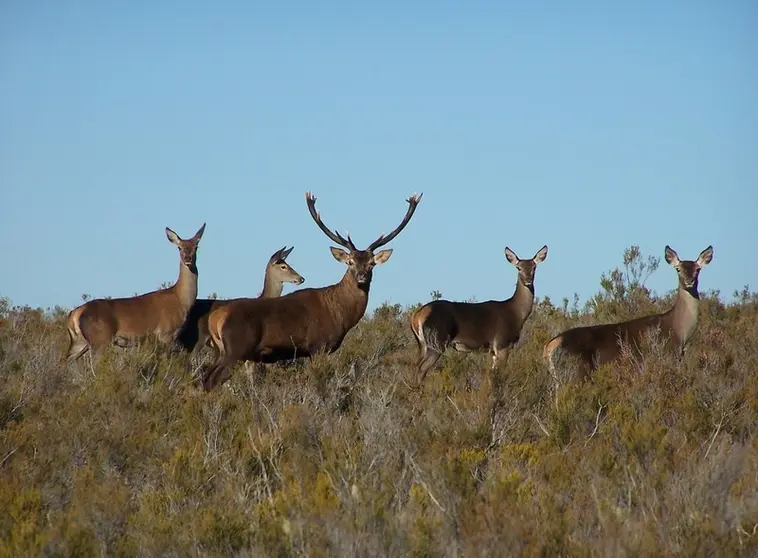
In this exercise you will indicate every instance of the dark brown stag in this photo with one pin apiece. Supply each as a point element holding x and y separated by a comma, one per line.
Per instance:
<point>305,322</point>
<point>599,344</point>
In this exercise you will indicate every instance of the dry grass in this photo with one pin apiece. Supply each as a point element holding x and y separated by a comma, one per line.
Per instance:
<point>338,457</point>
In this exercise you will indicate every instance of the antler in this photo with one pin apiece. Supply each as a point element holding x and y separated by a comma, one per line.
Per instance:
<point>310,199</point>
<point>382,240</point>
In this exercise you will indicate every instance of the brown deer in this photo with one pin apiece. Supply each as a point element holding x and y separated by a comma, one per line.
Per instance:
<point>599,344</point>
<point>122,321</point>
<point>468,326</point>
<point>304,322</point>
<point>194,335</point>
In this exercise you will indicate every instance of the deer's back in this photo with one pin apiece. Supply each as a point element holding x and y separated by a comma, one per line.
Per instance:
<point>601,342</point>
<point>472,323</point>
<point>158,312</point>
<point>292,323</point>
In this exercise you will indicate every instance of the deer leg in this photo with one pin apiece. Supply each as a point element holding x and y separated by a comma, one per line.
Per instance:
<point>76,349</point>
<point>224,375</point>
<point>500,356</point>
<point>95,355</point>
<point>208,379</point>
<point>499,363</point>
<point>203,340</point>
<point>430,358</point>
<point>219,373</point>
<point>588,363</point>
<point>97,336</point>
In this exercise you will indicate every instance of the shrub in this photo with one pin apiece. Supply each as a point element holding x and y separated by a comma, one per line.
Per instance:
<point>339,456</point>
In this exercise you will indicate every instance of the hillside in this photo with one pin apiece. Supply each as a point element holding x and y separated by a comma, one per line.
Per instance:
<point>340,457</point>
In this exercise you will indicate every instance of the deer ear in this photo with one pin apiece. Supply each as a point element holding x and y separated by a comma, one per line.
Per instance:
<point>540,256</point>
<point>671,256</point>
<point>705,257</point>
<point>339,254</point>
<point>276,256</point>
<point>172,237</point>
<point>383,256</point>
<point>286,253</point>
<point>511,256</point>
<point>199,233</point>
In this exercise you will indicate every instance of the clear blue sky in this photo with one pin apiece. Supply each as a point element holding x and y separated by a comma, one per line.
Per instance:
<point>586,126</point>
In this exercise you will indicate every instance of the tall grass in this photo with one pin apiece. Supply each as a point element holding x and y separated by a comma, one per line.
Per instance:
<point>340,457</point>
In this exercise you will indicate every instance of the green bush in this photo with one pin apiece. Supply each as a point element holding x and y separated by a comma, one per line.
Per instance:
<point>339,456</point>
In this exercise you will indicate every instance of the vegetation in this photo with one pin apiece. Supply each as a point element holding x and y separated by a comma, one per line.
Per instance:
<point>340,457</point>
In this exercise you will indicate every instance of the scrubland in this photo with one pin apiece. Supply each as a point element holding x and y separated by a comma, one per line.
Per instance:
<point>339,456</point>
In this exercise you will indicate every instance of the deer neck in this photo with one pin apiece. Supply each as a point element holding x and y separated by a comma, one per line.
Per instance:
<point>684,315</point>
<point>350,299</point>
<point>186,286</point>
<point>271,287</point>
<point>522,301</point>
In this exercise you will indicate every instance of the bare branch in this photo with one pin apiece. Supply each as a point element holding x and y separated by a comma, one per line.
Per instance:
<point>542,426</point>
<point>716,433</point>
<point>7,457</point>
<point>597,423</point>
<point>423,483</point>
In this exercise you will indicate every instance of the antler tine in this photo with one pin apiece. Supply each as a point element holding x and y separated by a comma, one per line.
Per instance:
<point>333,235</point>
<point>382,240</point>
<point>350,242</point>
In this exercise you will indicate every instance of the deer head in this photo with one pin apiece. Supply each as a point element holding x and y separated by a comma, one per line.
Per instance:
<point>688,270</point>
<point>280,270</point>
<point>187,248</point>
<point>361,263</point>
<point>526,268</point>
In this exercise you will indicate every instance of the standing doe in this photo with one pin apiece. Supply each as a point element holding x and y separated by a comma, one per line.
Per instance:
<point>194,335</point>
<point>120,321</point>
<point>468,326</point>
<point>302,323</point>
<point>599,344</point>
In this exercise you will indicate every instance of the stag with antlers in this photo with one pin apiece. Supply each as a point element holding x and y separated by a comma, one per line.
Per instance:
<point>305,322</point>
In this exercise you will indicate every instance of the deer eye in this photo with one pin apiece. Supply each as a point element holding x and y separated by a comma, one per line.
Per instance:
<point>283,267</point>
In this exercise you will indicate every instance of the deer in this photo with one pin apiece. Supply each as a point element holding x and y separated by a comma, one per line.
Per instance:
<point>194,335</point>
<point>595,345</point>
<point>493,325</point>
<point>305,322</point>
<point>124,321</point>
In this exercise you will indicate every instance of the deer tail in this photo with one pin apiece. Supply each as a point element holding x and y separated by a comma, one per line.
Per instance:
<point>550,348</point>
